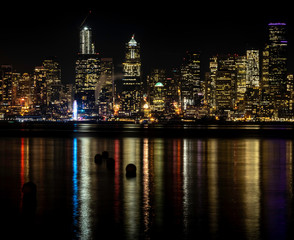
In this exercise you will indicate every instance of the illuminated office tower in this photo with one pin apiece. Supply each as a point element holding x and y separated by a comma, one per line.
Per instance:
<point>16,78</point>
<point>265,68</point>
<point>226,82</point>
<point>190,82</point>
<point>39,92</point>
<point>5,88</point>
<point>53,71</point>
<point>156,90</point>
<point>290,91</point>
<point>173,93</point>
<point>87,74</point>
<point>226,72</point>
<point>252,68</point>
<point>68,97</point>
<point>158,102</point>
<point>105,88</point>
<point>24,93</point>
<point>132,92</point>
<point>266,108</point>
<point>25,87</point>
<point>252,95</point>
<point>241,73</point>
<point>213,66</point>
<point>223,91</point>
<point>278,68</point>
<point>53,84</point>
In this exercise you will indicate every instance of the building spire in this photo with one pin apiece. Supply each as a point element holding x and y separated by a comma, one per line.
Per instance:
<point>133,42</point>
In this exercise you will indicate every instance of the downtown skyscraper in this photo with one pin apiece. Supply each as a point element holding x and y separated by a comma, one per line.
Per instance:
<point>277,69</point>
<point>87,72</point>
<point>132,93</point>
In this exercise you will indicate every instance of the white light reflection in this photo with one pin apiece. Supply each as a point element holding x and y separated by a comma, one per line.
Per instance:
<point>85,196</point>
<point>81,184</point>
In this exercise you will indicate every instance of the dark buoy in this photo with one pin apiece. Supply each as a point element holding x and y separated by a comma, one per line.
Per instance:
<point>110,163</point>
<point>105,154</point>
<point>29,200</point>
<point>131,170</point>
<point>98,158</point>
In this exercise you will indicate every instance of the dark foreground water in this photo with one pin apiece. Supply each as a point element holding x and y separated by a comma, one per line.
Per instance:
<point>185,188</point>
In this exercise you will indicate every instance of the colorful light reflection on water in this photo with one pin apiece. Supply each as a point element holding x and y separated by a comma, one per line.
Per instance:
<point>184,188</point>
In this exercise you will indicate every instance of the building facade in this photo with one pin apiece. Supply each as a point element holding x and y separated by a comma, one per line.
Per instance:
<point>277,77</point>
<point>105,89</point>
<point>87,76</point>
<point>132,85</point>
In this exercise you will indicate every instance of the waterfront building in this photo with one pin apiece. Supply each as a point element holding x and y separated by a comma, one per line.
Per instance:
<point>131,97</point>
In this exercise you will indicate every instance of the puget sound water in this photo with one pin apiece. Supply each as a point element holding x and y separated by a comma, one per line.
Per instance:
<point>202,186</point>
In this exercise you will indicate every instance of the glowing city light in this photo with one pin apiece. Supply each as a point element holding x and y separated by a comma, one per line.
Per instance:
<point>75,110</point>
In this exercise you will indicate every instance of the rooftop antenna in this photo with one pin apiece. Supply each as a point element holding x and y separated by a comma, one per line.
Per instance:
<point>85,19</point>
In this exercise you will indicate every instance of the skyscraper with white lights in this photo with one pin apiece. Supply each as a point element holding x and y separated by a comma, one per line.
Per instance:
<point>87,74</point>
<point>132,92</point>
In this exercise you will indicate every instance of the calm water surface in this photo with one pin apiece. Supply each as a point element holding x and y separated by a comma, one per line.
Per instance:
<point>211,188</point>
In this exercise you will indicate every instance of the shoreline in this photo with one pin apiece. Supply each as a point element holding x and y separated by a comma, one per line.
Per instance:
<point>282,130</point>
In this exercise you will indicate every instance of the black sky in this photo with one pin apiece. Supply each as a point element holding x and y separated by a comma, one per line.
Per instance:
<point>31,32</point>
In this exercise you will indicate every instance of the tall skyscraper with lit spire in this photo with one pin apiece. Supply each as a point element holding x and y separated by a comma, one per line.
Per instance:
<point>87,74</point>
<point>132,92</point>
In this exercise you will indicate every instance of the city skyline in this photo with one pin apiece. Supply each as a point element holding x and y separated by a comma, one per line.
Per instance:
<point>165,34</point>
<point>253,86</point>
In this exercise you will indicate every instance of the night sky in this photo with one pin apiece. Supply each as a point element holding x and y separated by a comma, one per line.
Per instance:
<point>166,30</point>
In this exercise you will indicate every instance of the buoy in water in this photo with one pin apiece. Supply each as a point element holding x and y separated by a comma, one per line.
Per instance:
<point>131,170</point>
<point>98,158</point>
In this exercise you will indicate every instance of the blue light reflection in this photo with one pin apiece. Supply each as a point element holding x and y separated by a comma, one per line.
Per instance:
<point>75,197</point>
